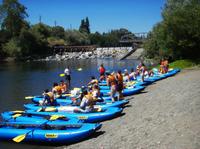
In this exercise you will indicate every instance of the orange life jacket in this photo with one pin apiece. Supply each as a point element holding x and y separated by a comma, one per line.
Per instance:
<point>120,78</point>
<point>58,89</point>
<point>50,94</point>
<point>111,80</point>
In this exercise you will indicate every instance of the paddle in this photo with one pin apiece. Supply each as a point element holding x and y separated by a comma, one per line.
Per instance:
<point>29,97</point>
<point>62,75</point>
<point>47,109</point>
<point>20,138</point>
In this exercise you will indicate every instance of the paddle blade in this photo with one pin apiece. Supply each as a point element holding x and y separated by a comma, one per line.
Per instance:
<point>79,69</point>
<point>16,115</point>
<point>29,97</point>
<point>40,109</point>
<point>49,109</point>
<point>19,138</point>
<point>62,75</point>
<point>55,117</point>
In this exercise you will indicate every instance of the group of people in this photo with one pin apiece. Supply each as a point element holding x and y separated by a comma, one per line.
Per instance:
<point>56,92</point>
<point>91,94</point>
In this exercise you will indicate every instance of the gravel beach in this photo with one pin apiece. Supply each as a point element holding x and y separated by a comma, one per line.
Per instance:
<point>165,116</point>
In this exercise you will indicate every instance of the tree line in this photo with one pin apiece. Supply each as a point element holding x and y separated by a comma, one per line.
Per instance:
<point>19,39</point>
<point>177,36</point>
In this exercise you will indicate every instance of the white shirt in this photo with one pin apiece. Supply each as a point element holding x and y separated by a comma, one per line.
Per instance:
<point>67,72</point>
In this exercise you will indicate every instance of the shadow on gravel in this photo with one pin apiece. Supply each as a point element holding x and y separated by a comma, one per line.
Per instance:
<point>127,106</point>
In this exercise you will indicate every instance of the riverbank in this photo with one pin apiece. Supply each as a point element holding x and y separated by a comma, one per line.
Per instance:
<point>165,115</point>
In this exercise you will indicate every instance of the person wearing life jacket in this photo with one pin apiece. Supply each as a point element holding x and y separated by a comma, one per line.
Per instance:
<point>102,70</point>
<point>57,90</point>
<point>132,75</point>
<point>63,86</point>
<point>166,66</point>
<point>126,76</point>
<point>142,71</point>
<point>93,81</point>
<point>48,98</point>
<point>87,103</point>
<point>120,84</point>
<point>111,81</point>
<point>96,93</point>
<point>162,70</point>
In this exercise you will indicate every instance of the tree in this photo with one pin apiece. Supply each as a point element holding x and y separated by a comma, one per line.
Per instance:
<point>58,32</point>
<point>178,34</point>
<point>85,26</point>
<point>13,16</point>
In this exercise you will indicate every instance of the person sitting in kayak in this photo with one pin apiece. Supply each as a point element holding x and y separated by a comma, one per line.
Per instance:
<point>126,77</point>
<point>161,69</point>
<point>132,75</point>
<point>93,81</point>
<point>57,90</point>
<point>120,84</point>
<point>96,93</point>
<point>63,86</point>
<point>48,99</point>
<point>166,66</point>
<point>87,103</point>
<point>111,81</point>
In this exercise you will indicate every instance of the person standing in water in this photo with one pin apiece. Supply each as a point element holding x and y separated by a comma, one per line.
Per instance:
<point>68,75</point>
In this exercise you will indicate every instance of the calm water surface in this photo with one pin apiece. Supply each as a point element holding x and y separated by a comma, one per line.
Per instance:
<point>18,80</point>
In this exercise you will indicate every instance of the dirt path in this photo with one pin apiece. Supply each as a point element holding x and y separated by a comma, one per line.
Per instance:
<point>165,116</point>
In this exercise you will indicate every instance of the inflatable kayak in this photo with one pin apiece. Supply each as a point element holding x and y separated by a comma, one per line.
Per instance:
<point>126,92</point>
<point>104,114</point>
<point>23,116</point>
<point>45,132</point>
<point>63,102</point>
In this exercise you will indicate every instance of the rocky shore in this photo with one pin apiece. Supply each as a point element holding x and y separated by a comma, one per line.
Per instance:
<point>107,52</point>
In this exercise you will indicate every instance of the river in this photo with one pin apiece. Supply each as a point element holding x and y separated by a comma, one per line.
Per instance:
<point>18,80</point>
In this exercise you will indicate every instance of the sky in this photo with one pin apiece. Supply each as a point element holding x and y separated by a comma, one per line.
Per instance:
<point>104,15</point>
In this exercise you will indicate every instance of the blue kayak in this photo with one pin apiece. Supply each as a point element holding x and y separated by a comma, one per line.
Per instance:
<point>63,102</point>
<point>23,116</point>
<point>47,132</point>
<point>126,92</point>
<point>104,114</point>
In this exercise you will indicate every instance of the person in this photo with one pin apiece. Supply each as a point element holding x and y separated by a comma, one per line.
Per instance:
<point>161,69</point>
<point>63,86</point>
<point>126,77</point>
<point>96,93</point>
<point>120,85</point>
<point>132,75</point>
<point>48,99</point>
<point>111,81</point>
<point>57,90</point>
<point>93,81</point>
<point>102,70</point>
<point>87,103</point>
<point>166,65</point>
<point>68,75</point>
<point>142,71</point>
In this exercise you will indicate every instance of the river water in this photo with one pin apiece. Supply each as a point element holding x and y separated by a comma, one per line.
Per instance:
<point>18,80</point>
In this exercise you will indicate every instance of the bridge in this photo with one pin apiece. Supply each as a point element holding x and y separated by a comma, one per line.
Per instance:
<point>135,40</point>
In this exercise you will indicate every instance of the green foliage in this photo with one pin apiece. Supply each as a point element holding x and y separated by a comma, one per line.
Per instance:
<point>12,15</point>
<point>58,32</point>
<point>178,35</point>
<point>182,64</point>
<point>12,48</point>
<point>74,37</point>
